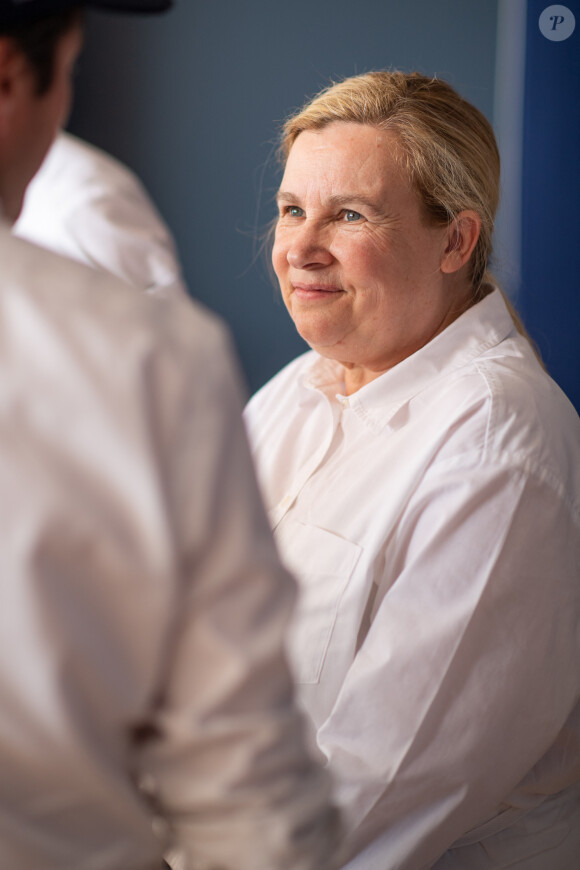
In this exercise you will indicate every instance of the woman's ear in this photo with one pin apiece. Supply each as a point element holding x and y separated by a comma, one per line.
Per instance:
<point>462,235</point>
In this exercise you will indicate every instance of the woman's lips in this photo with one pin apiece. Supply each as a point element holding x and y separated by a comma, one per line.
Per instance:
<point>315,291</point>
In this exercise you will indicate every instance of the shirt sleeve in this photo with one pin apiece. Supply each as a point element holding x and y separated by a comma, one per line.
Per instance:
<point>452,697</point>
<point>119,230</point>
<point>85,204</point>
<point>225,753</point>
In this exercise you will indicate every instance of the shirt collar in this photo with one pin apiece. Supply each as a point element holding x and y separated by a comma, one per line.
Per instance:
<point>478,329</point>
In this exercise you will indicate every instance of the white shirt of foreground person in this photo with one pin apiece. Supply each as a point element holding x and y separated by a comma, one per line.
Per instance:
<point>144,693</point>
<point>433,518</point>
<point>85,204</point>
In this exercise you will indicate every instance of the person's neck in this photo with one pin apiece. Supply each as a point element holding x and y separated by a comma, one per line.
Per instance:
<point>359,375</point>
<point>356,377</point>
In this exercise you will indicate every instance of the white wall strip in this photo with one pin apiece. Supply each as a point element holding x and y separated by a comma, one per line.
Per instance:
<point>508,123</point>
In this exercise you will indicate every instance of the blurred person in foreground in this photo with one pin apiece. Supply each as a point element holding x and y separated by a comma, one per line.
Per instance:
<point>85,204</point>
<point>422,474</point>
<point>146,701</point>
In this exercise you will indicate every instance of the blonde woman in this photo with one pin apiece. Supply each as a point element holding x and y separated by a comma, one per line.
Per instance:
<point>422,475</point>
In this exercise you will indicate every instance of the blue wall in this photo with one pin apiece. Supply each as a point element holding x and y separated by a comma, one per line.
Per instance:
<point>192,100</point>
<point>550,292</point>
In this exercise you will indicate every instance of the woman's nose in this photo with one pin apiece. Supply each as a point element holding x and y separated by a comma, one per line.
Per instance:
<point>309,247</point>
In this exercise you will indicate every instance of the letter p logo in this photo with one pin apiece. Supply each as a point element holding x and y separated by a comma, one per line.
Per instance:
<point>557,23</point>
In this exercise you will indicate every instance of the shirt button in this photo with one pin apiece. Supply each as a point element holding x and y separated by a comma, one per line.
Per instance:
<point>285,501</point>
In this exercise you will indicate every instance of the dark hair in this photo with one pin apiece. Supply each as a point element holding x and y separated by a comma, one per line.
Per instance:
<point>38,41</point>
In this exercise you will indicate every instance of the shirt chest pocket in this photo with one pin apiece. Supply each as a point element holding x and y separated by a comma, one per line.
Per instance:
<point>323,564</point>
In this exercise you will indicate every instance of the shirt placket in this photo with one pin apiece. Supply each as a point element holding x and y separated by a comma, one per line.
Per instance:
<point>333,411</point>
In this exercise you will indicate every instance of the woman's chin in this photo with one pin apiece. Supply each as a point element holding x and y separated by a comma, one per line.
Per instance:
<point>322,337</point>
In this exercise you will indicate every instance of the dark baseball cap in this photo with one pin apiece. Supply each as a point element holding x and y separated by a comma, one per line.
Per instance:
<point>14,11</point>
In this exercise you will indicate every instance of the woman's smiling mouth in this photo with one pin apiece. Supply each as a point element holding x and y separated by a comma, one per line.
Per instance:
<point>315,291</point>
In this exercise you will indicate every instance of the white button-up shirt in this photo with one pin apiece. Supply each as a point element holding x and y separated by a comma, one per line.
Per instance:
<point>144,695</point>
<point>433,519</point>
<point>85,204</point>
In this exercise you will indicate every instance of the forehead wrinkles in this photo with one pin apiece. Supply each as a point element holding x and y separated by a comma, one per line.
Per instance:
<point>325,164</point>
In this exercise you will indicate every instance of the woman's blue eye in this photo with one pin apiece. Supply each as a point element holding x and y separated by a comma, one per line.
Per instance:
<point>352,216</point>
<point>294,211</point>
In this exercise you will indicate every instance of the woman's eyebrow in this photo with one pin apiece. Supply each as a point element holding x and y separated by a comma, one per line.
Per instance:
<point>346,199</point>
<point>342,200</point>
<point>286,196</point>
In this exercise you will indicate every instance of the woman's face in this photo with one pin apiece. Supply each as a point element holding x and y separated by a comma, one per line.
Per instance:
<point>359,266</point>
